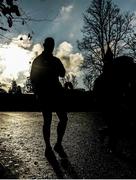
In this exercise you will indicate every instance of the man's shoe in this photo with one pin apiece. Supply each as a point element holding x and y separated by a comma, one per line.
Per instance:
<point>59,149</point>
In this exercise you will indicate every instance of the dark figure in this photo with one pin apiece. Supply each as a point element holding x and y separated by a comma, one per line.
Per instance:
<point>45,73</point>
<point>113,92</point>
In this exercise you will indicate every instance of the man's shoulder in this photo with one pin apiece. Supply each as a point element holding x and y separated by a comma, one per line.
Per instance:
<point>57,60</point>
<point>37,59</point>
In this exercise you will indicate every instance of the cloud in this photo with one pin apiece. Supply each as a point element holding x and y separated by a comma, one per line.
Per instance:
<point>36,51</point>
<point>65,11</point>
<point>64,49</point>
<point>23,41</point>
<point>72,61</point>
<point>17,56</point>
<point>71,35</point>
<point>14,60</point>
<point>63,16</point>
<point>62,20</point>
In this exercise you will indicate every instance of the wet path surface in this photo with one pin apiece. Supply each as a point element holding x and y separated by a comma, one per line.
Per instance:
<point>22,148</point>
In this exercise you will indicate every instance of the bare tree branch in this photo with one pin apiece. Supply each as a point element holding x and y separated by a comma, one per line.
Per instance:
<point>104,26</point>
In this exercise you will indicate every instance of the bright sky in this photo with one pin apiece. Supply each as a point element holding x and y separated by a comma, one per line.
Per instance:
<point>62,19</point>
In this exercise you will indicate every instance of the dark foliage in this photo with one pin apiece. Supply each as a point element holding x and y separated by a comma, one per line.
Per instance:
<point>8,10</point>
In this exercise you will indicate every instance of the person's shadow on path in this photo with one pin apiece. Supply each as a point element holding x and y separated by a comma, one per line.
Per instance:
<point>62,167</point>
<point>69,169</point>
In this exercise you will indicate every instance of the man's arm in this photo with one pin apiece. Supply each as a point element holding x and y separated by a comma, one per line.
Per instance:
<point>61,69</point>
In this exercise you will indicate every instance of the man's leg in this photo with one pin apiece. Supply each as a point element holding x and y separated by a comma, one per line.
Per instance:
<point>60,133</point>
<point>46,127</point>
<point>61,126</point>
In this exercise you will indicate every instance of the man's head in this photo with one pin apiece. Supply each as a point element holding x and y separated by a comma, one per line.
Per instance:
<point>49,44</point>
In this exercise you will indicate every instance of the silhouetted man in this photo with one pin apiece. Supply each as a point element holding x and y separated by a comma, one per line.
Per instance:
<point>45,73</point>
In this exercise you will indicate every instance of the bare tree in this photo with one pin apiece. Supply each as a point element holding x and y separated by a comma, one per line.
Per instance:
<point>131,45</point>
<point>88,79</point>
<point>104,26</point>
<point>74,81</point>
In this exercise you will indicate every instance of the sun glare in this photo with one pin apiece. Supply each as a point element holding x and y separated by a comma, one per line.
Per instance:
<point>16,60</point>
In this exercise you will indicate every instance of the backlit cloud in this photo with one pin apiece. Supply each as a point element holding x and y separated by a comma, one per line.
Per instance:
<point>72,61</point>
<point>64,16</point>
<point>23,41</point>
<point>65,11</point>
<point>17,56</point>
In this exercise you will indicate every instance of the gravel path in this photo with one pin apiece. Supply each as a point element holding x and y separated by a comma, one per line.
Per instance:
<point>22,148</point>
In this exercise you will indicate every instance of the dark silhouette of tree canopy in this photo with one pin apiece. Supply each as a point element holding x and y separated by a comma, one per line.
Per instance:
<point>104,26</point>
<point>14,89</point>
<point>71,79</point>
<point>28,86</point>
<point>74,81</point>
<point>131,45</point>
<point>8,11</point>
